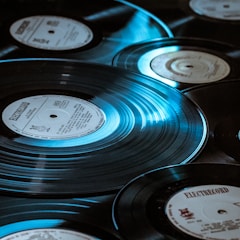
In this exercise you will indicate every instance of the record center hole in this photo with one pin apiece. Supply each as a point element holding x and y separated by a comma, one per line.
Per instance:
<point>53,116</point>
<point>51,31</point>
<point>222,211</point>
<point>189,66</point>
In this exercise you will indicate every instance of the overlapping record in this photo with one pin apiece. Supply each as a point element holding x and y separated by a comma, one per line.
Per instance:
<point>181,62</point>
<point>75,128</point>
<point>54,219</point>
<point>214,10</point>
<point>215,19</point>
<point>181,202</point>
<point>90,31</point>
<point>220,104</point>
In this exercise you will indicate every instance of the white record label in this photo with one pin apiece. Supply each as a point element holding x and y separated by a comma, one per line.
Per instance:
<point>51,33</point>
<point>206,212</point>
<point>218,9</point>
<point>189,66</point>
<point>53,117</point>
<point>48,234</point>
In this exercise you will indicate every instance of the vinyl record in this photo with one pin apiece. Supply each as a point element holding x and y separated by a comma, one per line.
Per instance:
<point>220,103</point>
<point>89,31</point>
<point>214,19</point>
<point>226,11</point>
<point>55,219</point>
<point>181,62</point>
<point>181,202</point>
<point>74,128</point>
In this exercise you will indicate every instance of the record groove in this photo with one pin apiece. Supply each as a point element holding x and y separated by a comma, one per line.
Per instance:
<point>147,125</point>
<point>70,218</point>
<point>219,102</point>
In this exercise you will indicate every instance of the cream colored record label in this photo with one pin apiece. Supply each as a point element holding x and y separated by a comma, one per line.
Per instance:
<point>206,212</point>
<point>51,33</point>
<point>48,234</point>
<point>55,117</point>
<point>189,66</point>
<point>218,9</point>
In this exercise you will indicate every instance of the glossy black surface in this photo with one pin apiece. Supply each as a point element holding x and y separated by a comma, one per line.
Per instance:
<point>139,210</point>
<point>89,216</point>
<point>33,169</point>
<point>148,124</point>
<point>220,104</point>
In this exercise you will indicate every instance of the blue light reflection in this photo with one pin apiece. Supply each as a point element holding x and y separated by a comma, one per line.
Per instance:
<point>30,224</point>
<point>144,65</point>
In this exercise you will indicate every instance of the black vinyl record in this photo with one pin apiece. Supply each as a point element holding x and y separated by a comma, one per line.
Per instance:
<point>214,19</point>
<point>181,202</point>
<point>220,103</point>
<point>76,128</point>
<point>181,62</point>
<point>224,11</point>
<point>56,219</point>
<point>91,31</point>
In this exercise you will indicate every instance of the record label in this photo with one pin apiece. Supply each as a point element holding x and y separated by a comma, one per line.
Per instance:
<point>190,66</point>
<point>55,117</point>
<point>51,234</point>
<point>223,9</point>
<point>206,211</point>
<point>51,32</point>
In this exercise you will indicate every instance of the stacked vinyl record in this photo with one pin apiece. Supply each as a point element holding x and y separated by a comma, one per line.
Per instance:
<point>100,124</point>
<point>181,62</point>
<point>193,201</point>
<point>117,124</point>
<point>70,130</point>
<point>89,31</point>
